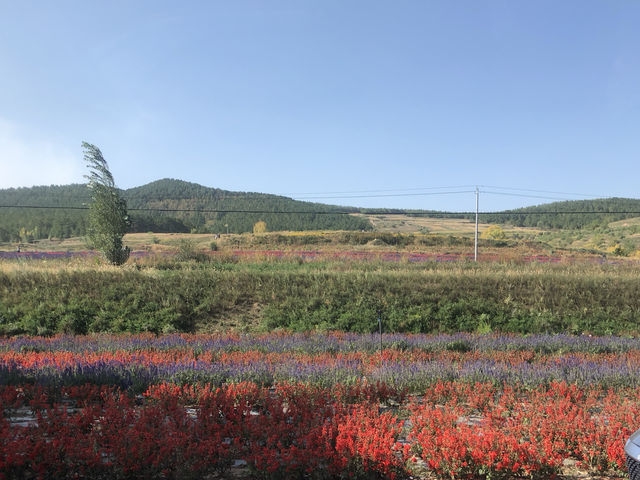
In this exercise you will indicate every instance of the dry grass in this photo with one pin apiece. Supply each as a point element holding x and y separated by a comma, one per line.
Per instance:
<point>627,222</point>
<point>522,241</point>
<point>448,226</point>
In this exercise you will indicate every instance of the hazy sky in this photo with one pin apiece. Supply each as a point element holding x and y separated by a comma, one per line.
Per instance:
<point>305,98</point>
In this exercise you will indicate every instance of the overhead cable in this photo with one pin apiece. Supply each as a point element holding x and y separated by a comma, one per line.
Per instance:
<point>362,211</point>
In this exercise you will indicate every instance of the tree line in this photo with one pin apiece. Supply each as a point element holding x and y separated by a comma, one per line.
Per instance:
<point>561,215</point>
<point>28,224</point>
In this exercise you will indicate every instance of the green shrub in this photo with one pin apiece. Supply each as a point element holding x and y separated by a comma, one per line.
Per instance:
<point>322,296</point>
<point>187,251</point>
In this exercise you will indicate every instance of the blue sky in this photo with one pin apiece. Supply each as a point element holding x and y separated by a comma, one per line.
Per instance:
<point>306,98</point>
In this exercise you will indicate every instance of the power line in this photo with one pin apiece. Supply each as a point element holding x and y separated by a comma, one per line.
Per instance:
<point>51,207</point>
<point>513,212</point>
<point>542,191</point>
<point>298,194</point>
<point>380,190</point>
<point>363,211</point>
<point>386,195</point>
<point>524,195</point>
<point>584,212</point>
<point>417,191</point>
<point>184,210</point>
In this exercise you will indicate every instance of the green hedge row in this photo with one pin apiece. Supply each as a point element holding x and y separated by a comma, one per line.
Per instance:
<point>408,301</point>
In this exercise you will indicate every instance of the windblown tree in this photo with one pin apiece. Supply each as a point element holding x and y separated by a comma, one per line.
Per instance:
<point>108,218</point>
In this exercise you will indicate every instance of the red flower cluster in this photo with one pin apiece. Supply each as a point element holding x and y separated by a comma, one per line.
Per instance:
<point>456,430</point>
<point>469,431</point>
<point>191,431</point>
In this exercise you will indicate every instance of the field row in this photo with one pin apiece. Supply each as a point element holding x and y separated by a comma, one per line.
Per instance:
<point>347,296</point>
<point>327,342</point>
<point>400,370</point>
<point>296,430</point>
<point>310,255</point>
<point>318,406</point>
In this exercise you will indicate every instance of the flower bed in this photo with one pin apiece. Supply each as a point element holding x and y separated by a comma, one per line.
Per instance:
<point>158,407</point>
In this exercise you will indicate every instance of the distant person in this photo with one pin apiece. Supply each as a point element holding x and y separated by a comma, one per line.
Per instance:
<point>18,248</point>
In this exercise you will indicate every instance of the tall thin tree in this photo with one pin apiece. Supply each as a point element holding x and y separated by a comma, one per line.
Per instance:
<point>108,218</point>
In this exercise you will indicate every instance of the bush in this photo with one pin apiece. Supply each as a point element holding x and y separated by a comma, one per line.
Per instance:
<point>191,296</point>
<point>187,252</point>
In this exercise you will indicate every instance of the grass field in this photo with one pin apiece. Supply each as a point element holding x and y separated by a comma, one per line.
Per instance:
<point>399,233</point>
<point>446,226</point>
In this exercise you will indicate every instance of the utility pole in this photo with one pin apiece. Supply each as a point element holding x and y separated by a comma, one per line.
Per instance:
<point>475,251</point>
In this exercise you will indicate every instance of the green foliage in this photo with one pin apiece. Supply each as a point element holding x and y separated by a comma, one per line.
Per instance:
<point>216,205</point>
<point>445,241</point>
<point>171,195</point>
<point>619,251</point>
<point>43,223</point>
<point>380,238</point>
<point>556,215</point>
<point>493,232</point>
<point>187,251</point>
<point>108,219</point>
<point>430,298</point>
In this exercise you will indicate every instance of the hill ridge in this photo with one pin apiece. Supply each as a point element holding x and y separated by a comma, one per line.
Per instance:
<point>22,224</point>
<point>562,215</point>
<point>177,194</point>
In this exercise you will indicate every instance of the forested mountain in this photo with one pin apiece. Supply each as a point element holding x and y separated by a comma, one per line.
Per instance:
<point>559,214</point>
<point>145,202</point>
<point>146,205</point>
<point>28,223</point>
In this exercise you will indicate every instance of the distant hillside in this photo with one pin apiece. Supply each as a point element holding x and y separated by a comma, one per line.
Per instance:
<point>557,214</point>
<point>166,194</point>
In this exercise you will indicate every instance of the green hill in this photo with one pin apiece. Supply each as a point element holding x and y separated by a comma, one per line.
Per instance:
<point>566,215</point>
<point>169,205</point>
<point>216,211</point>
<point>563,215</point>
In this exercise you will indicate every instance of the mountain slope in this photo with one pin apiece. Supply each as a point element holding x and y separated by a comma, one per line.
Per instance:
<point>562,215</point>
<point>167,194</point>
<point>219,211</point>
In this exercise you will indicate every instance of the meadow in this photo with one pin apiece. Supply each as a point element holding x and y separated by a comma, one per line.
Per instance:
<point>164,295</point>
<point>199,362</point>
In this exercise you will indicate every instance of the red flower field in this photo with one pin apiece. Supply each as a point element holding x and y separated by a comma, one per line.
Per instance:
<point>63,427</point>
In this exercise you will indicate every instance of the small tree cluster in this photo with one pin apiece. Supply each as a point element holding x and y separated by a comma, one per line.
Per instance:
<point>260,227</point>
<point>493,232</point>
